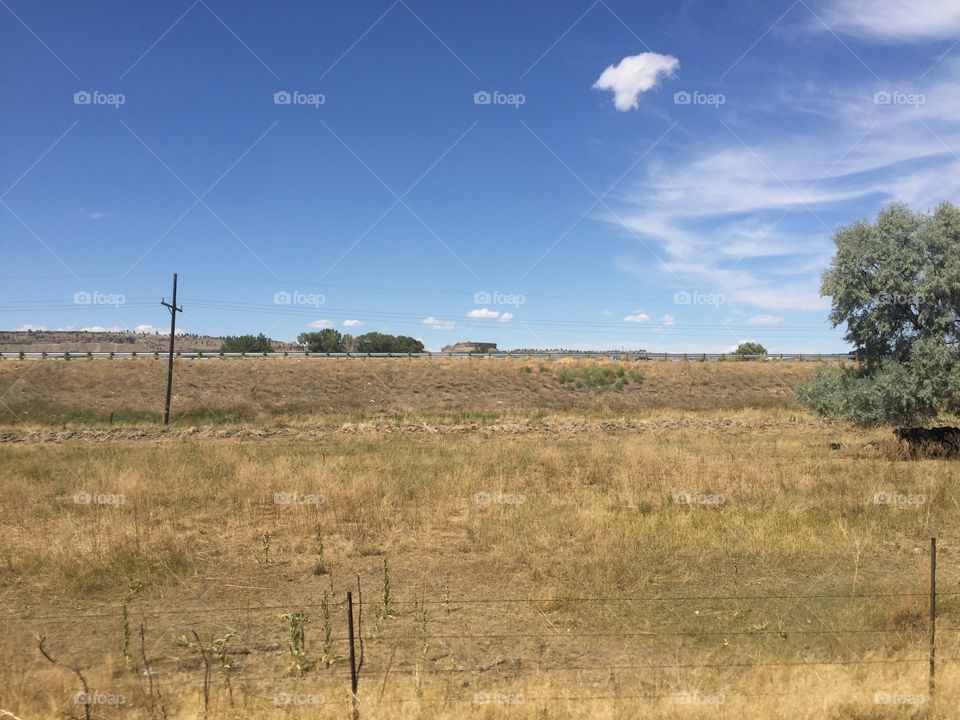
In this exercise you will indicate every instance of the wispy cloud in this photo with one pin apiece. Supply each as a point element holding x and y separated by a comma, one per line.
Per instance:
<point>893,21</point>
<point>765,208</point>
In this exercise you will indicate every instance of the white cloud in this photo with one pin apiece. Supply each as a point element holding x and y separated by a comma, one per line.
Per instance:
<point>668,320</point>
<point>637,317</point>
<point>147,330</point>
<point>352,323</point>
<point>765,320</point>
<point>483,314</point>
<point>439,324</point>
<point>893,21</point>
<point>506,317</point>
<point>320,324</point>
<point>635,75</point>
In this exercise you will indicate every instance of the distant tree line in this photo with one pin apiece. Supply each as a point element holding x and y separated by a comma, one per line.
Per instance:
<point>246,344</point>
<point>333,341</point>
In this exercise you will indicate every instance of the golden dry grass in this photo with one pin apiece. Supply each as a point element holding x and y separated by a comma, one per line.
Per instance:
<point>596,547</point>
<point>263,390</point>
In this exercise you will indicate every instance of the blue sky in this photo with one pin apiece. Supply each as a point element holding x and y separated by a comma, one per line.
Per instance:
<point>664,175</point>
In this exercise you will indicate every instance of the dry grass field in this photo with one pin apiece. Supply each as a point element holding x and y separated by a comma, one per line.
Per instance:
<point>233,390</point>
<point>531,540</point>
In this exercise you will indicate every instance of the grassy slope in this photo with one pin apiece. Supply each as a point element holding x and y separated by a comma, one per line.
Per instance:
<point>215,390</point>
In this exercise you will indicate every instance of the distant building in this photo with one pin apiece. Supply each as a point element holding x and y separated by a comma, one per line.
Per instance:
<point>471,347</point>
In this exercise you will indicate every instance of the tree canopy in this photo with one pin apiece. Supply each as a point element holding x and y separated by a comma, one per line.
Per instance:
<point>750,348</point>
<point>330,340</point>
<point>895,283</point>
<point>375,342</point>
<point>246,344</point>
<point>327,340</point>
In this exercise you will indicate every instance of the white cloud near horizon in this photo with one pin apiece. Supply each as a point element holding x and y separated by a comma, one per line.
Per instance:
<point>635,75</point>
<point>765,320</point>
<point>320,324</point>
<point>437,324</point>
<point>638,316</point>
<point>483,314</point>
<point>352,323</point>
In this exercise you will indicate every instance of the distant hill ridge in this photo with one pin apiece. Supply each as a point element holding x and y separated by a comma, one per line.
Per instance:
<point>129,341</point>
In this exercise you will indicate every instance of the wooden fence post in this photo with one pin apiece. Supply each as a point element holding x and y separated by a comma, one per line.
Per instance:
<point>353,657</point>
<point>933,615</point>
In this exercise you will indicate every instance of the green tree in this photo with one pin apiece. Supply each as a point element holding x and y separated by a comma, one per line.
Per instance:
<point>374,342</point>
<point>896,285</point>
<point>327,340</point>
<point>246,344</point>
<point>750,348</point>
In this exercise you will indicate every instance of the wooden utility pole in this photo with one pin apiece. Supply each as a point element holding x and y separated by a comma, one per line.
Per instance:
<point>172,307</point>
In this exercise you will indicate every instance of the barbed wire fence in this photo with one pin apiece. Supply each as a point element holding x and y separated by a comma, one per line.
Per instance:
<point>359,661</point>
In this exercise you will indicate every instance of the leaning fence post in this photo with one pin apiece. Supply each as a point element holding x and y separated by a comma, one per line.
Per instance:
<point>353,655</point>
<point>933,615</point>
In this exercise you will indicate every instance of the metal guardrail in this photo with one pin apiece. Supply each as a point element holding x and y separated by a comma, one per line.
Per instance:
<point>296,355</point>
